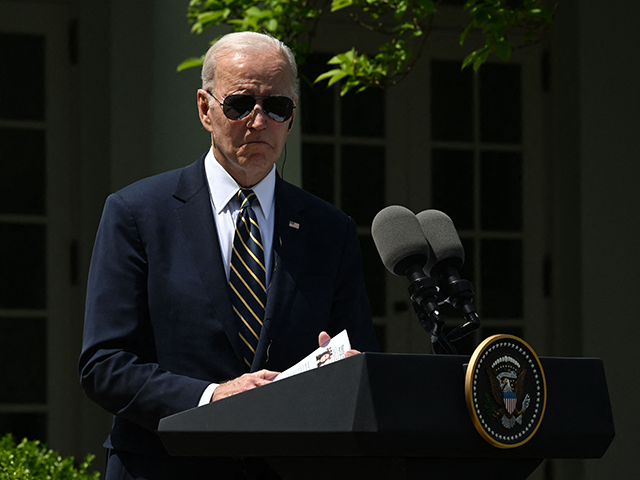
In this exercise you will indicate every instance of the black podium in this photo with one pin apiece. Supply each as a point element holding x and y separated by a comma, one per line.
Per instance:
<point>393,416</point>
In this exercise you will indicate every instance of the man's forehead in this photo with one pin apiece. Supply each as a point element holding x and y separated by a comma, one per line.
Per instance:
<point>264,56</point>
<point>245,69</point>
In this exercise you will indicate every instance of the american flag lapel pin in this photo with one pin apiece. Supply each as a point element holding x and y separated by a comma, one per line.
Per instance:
<point>293,224</point>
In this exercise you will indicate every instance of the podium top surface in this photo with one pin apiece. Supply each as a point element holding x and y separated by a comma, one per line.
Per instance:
<point>391,405</point>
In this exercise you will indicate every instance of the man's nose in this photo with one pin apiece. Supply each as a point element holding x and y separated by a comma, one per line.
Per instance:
<point>258,118</point>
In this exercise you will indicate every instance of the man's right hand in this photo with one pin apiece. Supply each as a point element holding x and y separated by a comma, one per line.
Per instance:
<point>246,382</point>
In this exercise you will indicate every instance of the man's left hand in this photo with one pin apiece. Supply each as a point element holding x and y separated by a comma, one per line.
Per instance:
<point>324,338</point>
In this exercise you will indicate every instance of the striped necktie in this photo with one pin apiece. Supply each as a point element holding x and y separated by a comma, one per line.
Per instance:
<point>247,276</point>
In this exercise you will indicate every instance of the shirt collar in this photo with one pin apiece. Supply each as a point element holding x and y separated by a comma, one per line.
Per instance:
<point>223,187</point>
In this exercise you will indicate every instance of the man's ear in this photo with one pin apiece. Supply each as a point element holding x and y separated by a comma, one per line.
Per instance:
<point>203,109</point>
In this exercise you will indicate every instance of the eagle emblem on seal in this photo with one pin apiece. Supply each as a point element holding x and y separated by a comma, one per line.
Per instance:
<point>507,402</point>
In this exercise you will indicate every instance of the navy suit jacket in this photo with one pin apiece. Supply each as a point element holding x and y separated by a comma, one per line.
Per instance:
<point>159,326</point>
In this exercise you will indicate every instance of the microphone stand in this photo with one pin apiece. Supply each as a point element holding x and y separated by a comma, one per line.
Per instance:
<point>424,295</point>
<point>461,297</point>
<point>426,298</point>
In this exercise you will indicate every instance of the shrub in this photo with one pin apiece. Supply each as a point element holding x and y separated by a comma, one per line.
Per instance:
<point>33,460</point>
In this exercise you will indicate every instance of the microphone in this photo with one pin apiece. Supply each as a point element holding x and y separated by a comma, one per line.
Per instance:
<point>446,258</point>
<point>401,244</point>
<point>404,251</point>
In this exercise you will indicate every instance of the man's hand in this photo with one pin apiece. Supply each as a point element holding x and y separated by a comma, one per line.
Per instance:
<point>324,338</point>
<point>243,383</point>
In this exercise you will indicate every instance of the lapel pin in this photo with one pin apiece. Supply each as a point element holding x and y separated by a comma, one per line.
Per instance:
<point>295,225</point>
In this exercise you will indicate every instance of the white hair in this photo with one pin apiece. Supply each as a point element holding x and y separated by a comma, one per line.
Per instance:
<point>247,41</point>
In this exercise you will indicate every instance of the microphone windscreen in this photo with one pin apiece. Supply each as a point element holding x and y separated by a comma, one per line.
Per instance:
<point>399,239</point>
<point>446,247</point>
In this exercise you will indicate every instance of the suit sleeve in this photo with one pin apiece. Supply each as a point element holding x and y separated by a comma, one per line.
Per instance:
<point>118,367</point>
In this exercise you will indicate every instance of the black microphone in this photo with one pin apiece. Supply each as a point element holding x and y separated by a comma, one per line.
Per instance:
<point>445,259</point>
<point>404,251</point>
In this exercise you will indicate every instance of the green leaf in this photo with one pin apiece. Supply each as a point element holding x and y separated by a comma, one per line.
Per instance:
<point>326,75</point>
<point>401,9</point>
<point>190,62</point>
<point>332,74</point>
<point>480,60</point>
<point>346,57</point>
<point>427,5</point>
<point>468,60</point>
<point>339,75</point>
<point>340,4</point>
<point>272,25</point>
<point>464,33</point>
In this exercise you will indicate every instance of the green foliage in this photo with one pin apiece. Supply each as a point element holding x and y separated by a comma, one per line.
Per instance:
<point>361,72</point>
<point>496,19</point>
<point>406,23</point>
<point>290,20</point>
<point>32,460</point>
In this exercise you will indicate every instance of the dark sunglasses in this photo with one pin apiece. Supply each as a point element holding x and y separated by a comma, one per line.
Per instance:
<point>239,106</point>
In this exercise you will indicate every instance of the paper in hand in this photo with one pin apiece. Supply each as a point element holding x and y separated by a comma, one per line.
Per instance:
<point>332,351</point>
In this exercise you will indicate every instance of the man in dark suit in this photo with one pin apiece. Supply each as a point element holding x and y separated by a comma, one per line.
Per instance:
<point>163,332</point>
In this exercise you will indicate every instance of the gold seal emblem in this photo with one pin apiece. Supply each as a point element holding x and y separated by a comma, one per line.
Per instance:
<point>506,391</point>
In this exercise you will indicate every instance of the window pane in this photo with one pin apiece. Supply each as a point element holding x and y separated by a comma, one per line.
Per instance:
<point>452,185</point>
<point>22,171</point>
<point>501,204</point>
<point>500,103</point>
<point>451,102</point>
<point>21,77</point>
<point>374,275</point>
<point>22,266</point>
<point>363,114</point>
<point>362,189</point>
<point>316,105</point>
<point>501,279</point>
<point>318,170</point>
<point>30,425</point>
<point>23,353</point>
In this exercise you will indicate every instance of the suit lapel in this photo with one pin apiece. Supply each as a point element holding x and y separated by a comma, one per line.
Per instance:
<point>195,217</point>
<point>289,238</point>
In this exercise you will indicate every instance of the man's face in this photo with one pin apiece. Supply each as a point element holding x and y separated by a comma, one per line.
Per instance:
<point>247,148</point>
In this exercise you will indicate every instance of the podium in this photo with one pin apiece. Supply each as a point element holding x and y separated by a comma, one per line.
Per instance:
<point>393,416</point>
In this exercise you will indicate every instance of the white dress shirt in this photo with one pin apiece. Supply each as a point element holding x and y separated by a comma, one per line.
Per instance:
<point>226,207</point>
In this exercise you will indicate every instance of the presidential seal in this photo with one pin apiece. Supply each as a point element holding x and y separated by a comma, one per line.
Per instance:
<point>506,391</point>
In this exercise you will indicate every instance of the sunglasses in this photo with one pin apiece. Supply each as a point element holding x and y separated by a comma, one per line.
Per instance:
<point>239,106</point>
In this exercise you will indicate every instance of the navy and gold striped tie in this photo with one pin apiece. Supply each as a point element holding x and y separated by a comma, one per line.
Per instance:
<point>247,276</point>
